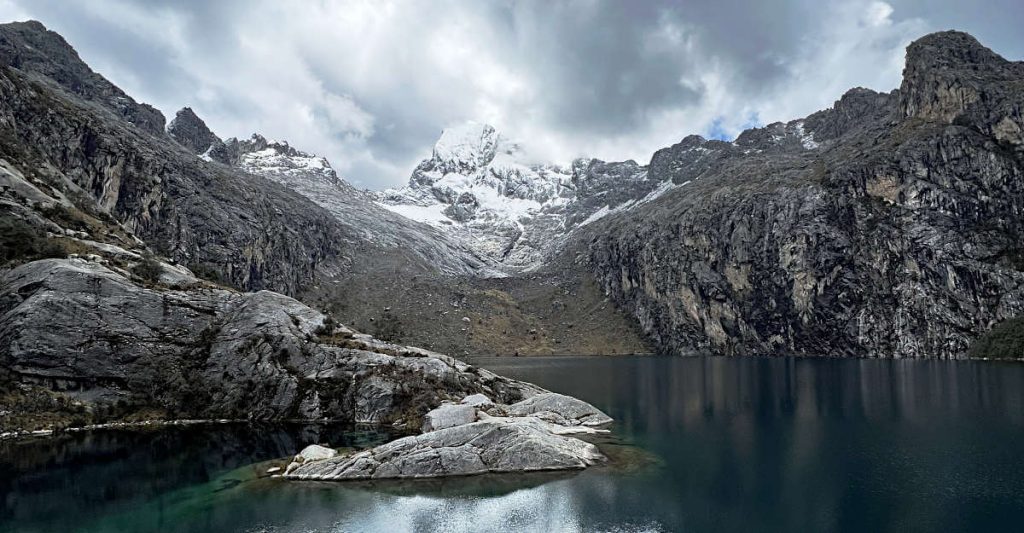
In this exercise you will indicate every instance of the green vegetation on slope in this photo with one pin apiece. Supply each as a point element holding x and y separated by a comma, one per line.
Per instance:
<point>1005,341</point>
<point>20,242</point>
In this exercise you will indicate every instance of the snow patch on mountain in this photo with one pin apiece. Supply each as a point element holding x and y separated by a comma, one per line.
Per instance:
<point>259,155</point>
<point>488,192</point>
<point>606,210</point>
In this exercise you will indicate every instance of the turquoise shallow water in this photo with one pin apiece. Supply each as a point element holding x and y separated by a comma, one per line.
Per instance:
<point>751,444</point>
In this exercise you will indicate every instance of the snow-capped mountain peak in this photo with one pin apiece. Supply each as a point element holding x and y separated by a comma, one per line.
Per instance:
<point>259,155</point>
<point>483,188</point>
<point>465,147</point>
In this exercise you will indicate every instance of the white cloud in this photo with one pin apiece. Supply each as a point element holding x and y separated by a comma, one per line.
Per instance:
<point>9,10</point>
<point>370,84</point>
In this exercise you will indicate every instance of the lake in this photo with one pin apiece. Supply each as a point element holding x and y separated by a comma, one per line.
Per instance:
<point>717,444</point>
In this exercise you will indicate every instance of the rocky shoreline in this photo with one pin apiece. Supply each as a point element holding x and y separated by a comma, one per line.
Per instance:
<point>116,425</point>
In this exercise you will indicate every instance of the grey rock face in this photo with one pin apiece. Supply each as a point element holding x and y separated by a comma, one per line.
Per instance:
<point>570,411</point>
<point>946,73</point>
<point>599,184</point>
<point>214,353</point>
<point>448,415</point>
<point>887,226</point>
<point>464,208</point>
<point>495,445</point>
<point>31,48</point>
<point>253,233</point>
<point>461,439</point>
<point>191,132</point>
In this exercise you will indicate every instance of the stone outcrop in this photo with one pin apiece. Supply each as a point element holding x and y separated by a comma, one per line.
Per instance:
<point>887,226</point>
<point>191,132</point>
<point>449,415</point>
<point>204,352</point>
<point>565,410</point>
<point>460,440</point>
<point>32,49</point>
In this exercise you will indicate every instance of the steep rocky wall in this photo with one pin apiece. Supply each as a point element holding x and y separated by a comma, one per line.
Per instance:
<point>84,329</point>
<point>899,236</point>
<point>253,233</point>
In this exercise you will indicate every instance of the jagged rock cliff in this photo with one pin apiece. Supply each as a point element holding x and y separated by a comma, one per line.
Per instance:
<point>487,192</point>
<point>197,350</point>
<point>380,233</point>
<point>888,226</point>
<point>33,50</point>
<point>65,126</point>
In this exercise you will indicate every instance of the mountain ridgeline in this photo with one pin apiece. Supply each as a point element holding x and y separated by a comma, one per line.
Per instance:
<point>894,230</point>
<point>889,225</point>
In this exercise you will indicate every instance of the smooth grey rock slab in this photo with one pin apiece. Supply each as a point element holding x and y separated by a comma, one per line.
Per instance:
<point>448,415</point>
<point>560,409</point>
<point>524,444</point>
<point>215,353</point>
<point>315,452</point>
<point>477,400</point>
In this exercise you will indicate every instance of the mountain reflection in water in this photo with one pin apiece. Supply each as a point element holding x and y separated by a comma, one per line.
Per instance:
<point>742,444</point>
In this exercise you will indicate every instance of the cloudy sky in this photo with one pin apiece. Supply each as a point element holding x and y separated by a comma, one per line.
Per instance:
<point>370,84</point>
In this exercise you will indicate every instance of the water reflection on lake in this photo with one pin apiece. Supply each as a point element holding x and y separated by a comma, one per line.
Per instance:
<point>741,444</point>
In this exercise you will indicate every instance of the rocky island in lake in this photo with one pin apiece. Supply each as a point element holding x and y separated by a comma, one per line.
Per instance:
<point>475,436</point>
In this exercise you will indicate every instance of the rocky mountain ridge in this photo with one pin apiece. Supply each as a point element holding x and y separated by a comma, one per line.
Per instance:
<point>897,235</point>
<point>487,192</point>
<point>312,177</point>
<point>886,226</point>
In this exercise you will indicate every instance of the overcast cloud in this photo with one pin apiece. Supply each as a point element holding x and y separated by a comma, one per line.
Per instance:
<point>370,84</point>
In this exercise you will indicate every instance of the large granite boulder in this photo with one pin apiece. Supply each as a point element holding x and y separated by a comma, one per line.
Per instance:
<point>493,445</point>
<point>560,409</point>
<point>449,415</point>
<point>467,438</point>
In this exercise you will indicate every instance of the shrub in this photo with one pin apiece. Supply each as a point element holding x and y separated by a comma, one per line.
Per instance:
<point>20,241</point>
<point>327,328</point>
<point>1005,341</point>
<point>148,269</point>
<point>207,272</point>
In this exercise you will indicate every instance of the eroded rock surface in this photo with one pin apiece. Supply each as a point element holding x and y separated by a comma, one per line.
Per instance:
<point>482,443</point>
<point>448,415</point>
<point>207,352</point>
<point>568,411</point>
<point>888,226</point>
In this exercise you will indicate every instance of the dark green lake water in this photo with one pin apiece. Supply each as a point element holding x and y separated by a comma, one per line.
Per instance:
<point>731,445</point>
